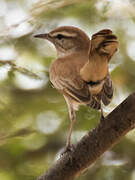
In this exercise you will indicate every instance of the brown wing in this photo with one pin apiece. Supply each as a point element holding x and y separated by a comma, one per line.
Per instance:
<point>81,95</point>
<point>66,79</point>
<point>104,42</point>
<point>75,88</point>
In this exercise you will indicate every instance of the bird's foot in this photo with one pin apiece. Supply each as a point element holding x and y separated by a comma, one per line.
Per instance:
<point>68,149</point>
<point>102,118</point>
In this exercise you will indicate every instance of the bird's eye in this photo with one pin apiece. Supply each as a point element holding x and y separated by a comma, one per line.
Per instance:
<point>59,36</point>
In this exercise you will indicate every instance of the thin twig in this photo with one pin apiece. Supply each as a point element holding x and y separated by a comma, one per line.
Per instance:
<point>22,70</point>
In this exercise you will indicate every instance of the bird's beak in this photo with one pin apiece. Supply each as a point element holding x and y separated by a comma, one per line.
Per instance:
<point>42,36</point>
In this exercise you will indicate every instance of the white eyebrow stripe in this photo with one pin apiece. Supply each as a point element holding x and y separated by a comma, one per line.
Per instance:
<point>64,33</point>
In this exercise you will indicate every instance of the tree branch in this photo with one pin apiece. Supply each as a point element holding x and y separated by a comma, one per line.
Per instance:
<point>120,121</point>
<point>22,70</point>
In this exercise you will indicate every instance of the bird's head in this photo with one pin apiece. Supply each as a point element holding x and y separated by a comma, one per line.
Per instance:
<point>67,39</point>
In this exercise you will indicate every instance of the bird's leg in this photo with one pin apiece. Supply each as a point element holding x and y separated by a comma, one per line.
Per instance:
<point>72,119</point>
<point>69,147</point>
<point>102,113</point>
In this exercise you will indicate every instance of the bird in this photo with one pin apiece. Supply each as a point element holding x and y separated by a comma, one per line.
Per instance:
<point>80,72</point>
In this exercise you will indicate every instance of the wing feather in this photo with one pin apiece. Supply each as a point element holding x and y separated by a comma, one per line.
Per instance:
<point>77,91</point>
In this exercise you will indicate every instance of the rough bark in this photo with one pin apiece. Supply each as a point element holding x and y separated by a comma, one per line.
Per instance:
<point>108,132</point>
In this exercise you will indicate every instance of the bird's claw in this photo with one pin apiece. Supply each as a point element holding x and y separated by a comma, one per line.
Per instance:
<point>68,149</point>
<point>102,118</point>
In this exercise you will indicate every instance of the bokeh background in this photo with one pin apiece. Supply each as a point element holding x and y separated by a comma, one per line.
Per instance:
<point>34,119</point>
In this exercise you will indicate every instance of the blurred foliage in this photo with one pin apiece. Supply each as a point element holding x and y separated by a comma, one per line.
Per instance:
<point>34,119</point>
